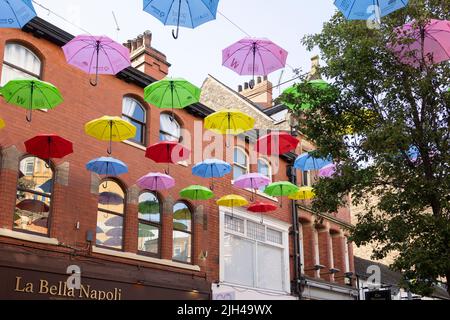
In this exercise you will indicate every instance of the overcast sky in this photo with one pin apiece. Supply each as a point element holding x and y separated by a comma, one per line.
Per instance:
<point>197,52</point>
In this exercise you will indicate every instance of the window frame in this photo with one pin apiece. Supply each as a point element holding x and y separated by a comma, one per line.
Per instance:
<point>153,224</point>
<point>162,132</point>
<point>247,160</point>
<point>143,124</point>
<point>39,194</point>
<point>191,233</point>
<point>269,166</point>
<point>30,49</point>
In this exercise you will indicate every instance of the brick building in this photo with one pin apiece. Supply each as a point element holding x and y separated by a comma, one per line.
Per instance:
<point>137,244</point>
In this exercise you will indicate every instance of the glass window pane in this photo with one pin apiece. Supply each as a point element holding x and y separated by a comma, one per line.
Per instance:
<point>239,256</point>
<point>34,175</point>
<point>256,231</point>
<point>238,172</point>
<point>111,197</point>
<point>149,208</point>
<point>109,230</point>
<point>240,157</point>
<point>182,217</point>
<point>234,224</point>
<point>170,129</point>
<point>133,109</point>
<point>9,73</point>
<point>32,212</point>
<point>274,236</point>
<point>139,137</point>
<point>182,243</point>
<point>148,240</point>
<point>22,57</point>
<point>270,267</point>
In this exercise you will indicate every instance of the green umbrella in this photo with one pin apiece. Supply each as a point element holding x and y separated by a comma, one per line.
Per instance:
<point>149,207</point>
<point>315,84</point>
<point>197,193</point>
<point>32,94</point>
<point>281,189</point>
<point>172,93</point>
<point>146,231</point>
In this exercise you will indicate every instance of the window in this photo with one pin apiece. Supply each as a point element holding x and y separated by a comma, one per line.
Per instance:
<point>255,254</point>
<point>110,215</point>
<point>170,129</point>
<point>135,113</point>
<point>34,196</point>
<point>316,250</point>
<point>20,62</point>
<point>241,165</point>
<point>149,224</point>
<point>265,169</point>
<point>306,178</point>
<point>182,233</point>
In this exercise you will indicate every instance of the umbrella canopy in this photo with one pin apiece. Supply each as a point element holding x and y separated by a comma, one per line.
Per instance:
<point>32,205</point>
<point>146,231</point>
<point>16,13</point>
<point>97,55</point>
<point>361,9</point>
<point>211,168</point>
<point>281,189</point>
<point>167,152</point>
<point>276,143</point>
<point>252,181</point>
<point>328,171</point>
<point>113,242</point>
<point>319,84</point>
<point>430,43</point>
<point>47,146</point>
<point>252,56</point>
<point>149,207</point>
<point>229,121</point>
<point>115,221</point>
<point>107,166</point>
<point>2,123</point>
<point>197,193</point>
<point>110,129</point>
<point>262,207</point>
<point>232,201</point>
<point>99,230</point>
<point>31,94</point>
<point>182,13</point>
<point>47,186</point>
<point>304,193</point>
<point>156,182</point>
<point>307,162</point>
<point>115,232</point>
<point>110,198</point>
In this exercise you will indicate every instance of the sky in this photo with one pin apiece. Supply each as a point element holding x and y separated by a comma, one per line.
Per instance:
<point>197,52</point>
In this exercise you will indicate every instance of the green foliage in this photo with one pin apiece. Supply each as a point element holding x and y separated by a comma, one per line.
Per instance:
<point>377,109</point>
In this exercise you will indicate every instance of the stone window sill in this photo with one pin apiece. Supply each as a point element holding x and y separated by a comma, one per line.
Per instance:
<point>28,237</point>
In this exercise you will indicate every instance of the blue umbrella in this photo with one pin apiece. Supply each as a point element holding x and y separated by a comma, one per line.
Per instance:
<point>364,9</point>
<point>107,166</point>
<point>16,13</point>
<point>210,169</point>
<point>184,13</point>
<point>306,162</point>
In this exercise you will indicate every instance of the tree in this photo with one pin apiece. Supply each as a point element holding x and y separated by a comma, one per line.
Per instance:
<point>386,124</point>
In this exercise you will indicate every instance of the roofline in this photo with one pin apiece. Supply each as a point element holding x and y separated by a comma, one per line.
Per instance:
<point>275,109</point>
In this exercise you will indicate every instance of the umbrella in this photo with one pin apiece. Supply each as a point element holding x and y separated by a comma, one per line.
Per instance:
<point>181,13</point>
<point>115,232</point>
<point>251,56</point>
<point>115,221</point>
<point>167,152</point>
<point>47,146</point>
<point>303,193</point>
<point>32,205</point>
<point>232,201</point>
<point>319,85</point>
<point>110,198</point>
<point>31,94</point>
<point>210,169</point>
<point>281,189</point>
<point>146,231</point>
<point>41,222</point>
<point>149,207</point>
<point>252,181</point>
<point>172,94</point>
<point>307,162</point>
<point>276,143</point>
<point>47,186</point>
<point>107,166</point>
<point>97,55</point>
<point>156,182</point>
<point>99,230</point>
<point>110,129</point>
<point>328,171</point>
<point>197,193</point>
<point>361,9</point>
<point>262,207</point>
<point>2,123</point>
<point>113,242</point>
<point>229,121</point>
<point>16,13</point>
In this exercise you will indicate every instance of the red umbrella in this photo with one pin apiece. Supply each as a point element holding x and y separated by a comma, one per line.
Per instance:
<point>33,206</point>
<point>276,143</point>
<point>262,207</point>
<point>47,146</point>
<point>167,152</point>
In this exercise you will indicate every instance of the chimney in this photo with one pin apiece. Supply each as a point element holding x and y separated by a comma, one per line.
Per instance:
<point>240,88</point>
<point>261,94</point>
<point>146,58</point>
<point>314,74</point>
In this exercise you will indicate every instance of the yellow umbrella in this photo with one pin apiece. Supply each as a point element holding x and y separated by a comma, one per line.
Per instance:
<point>232,201</point>
<point>2,123</point>
<point>229,121</point>
<point>110,129</point>
<point>304,193</point>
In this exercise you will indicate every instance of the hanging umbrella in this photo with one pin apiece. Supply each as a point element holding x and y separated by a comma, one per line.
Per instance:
<point>168,152</point>
<point>47,146</point>
<point>146,231</point>
<point>97,55</point>
<point>229,121</point>
<point>41,222</point>
<point>32,205</point>
<point>197,193</point>
<point>307,162</point>
<point>47,186</point>
<point>110,198</point>
<point>2,123</point>
<point>429,43</point>
<point>110,129</point>
<point>172,94</point>
<point>262,207</point>
<point>182,13</point>
<point>361,9</point>
<point>210,169</point>
<point>156,182</point>
<point>99,230</point>
<point>16,13</point>
<point>276,143</point>
<point>149,207</point>
<point>107,166</point>
<point>232,201</point>
<point>252,181</point>
<point>328,171</point>
<point>31,94</point>
<point>319,85</point>
<point>251,56</point>
<point>281,189</point>
<point>303,193</point>
<point>115,221</point>
<point>115,232</point>
<point>113,242</point>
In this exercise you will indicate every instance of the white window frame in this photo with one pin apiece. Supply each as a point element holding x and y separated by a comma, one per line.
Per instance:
<point>270,223</point>
<point>247,157</point>
<point>316,250</point>
<point>302,248</point>
<point>163,132</point>
<point>14,66</point>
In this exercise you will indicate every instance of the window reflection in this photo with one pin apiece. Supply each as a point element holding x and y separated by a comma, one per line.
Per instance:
<point>182,235</point>
<point>149,224</point>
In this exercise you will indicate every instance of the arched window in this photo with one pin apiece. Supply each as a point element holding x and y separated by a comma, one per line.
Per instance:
<point>135,113</point>
<point>182,233</point>
<point>241,163</point>
<point>265,169</point>
<point>34,196</point>
<point>110,215</point>
<point>149,224</point>
<point>20,62</point>
<point>170,129</point>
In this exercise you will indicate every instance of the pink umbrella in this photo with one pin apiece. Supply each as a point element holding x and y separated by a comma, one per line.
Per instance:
<point>429,43</point>
<point>97,55</point>
<point>252,181</point>
<point>252,56</point>
<point>327,171</point>
<point>156,182</point>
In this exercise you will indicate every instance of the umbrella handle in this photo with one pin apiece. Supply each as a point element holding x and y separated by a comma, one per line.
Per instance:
<point>175,35</point>
<point>105,185</point>
<point>29,116</point>
<point>94,84</point>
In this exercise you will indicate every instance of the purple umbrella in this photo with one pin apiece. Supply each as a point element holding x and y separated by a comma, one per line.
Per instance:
<point>111,198</point>
<point>97,55</point>
<point>429,43</point>
<point>113,242</point>
<point>115,221</point>
<point>116,232</point>
<point>252,56</point>
<point>328,171</point>
<point>252,181</point>
<point>156,182</point>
